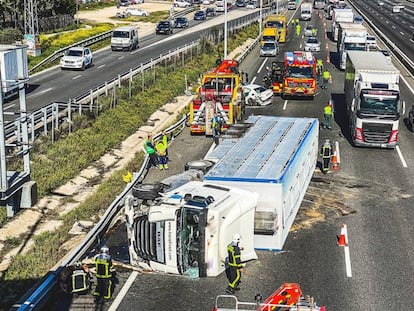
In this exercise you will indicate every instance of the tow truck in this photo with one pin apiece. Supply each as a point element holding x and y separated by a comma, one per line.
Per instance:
<point>287,297</point>
<point>220,92</point>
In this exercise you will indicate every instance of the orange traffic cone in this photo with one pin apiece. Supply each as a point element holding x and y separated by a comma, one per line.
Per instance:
<point>335,165</point>
<point>342,239</point>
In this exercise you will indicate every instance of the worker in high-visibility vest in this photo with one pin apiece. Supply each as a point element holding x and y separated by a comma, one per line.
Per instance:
<point>150,150</point>
<point>103,264</point>
<point>327,116</point>
<point>326,76</point>
<point>161,148</point>
<point>326,154</point>
<point>216,125</point>
<point>297,29</point>
<point>319,69</point>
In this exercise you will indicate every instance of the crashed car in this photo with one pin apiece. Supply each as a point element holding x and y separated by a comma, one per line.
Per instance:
<point>257,95</point>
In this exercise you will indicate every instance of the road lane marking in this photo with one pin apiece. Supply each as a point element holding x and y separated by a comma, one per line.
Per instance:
<point>8,107</point>
<point>76,77</point>
<point>348,262</point>
<point>285,104</point>
<point>120,57</point>
<point>262,65</point>
<point>401,156</point>
<point>123,291</point>
<point>254,79</point>
<point>44,91</point>
<point>100,66</point>
<point>393,27</point>
<point>402,34</point>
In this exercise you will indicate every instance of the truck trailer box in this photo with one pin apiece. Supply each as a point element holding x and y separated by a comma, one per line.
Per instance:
<point>339,16</point>
<point>13,67</point>
<point>275,158</point>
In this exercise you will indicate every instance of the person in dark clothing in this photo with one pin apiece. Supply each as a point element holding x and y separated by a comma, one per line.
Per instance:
<point>234,264</point>
<point>326,154</point>
<point>103,264</point>
<point>150,150</point>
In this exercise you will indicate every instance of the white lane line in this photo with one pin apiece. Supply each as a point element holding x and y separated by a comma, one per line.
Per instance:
<point>338,156</point>
<point>285,104</point>
<point>76,77</point>
<point>44,91</point>
<point>8,107</point>
<point>348,262</point>
<point>100,66</point>
<point>402,34</point>
<point>120,57</point>
<point>123,291</point>
<point>393,27</point>
<point>261,66</point>
<point>401,156</point>
<point>254,79</point>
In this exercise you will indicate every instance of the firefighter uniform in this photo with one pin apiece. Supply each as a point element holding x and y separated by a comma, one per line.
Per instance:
<point>233,265</point>
<point>80,280</point>
<point>103,264</point>
<point>216,127</point>
<point>326,154</point>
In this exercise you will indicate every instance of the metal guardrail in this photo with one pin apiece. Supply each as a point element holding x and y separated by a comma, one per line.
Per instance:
<point>404,59</point>
<point>60,52</point>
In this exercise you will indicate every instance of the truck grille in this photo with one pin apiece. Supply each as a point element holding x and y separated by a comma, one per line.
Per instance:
<point>145,233</point>
<point>376,132</point>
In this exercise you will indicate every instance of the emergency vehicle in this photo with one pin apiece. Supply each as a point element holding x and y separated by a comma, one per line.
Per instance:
<point>220,92</point>
<point>277,21</point>
<point>286,297</point>
<point>299,75</point>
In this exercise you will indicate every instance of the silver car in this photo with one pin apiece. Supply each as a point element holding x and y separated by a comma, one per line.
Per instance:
<point>309,32</point>
<point>312,44</point>
<point>77,58</point>
<point>269,48</point>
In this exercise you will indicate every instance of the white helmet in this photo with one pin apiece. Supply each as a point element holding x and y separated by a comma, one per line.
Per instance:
<point>105,249</point>
<point>236,238</point>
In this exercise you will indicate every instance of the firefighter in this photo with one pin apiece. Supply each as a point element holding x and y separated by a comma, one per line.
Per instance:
<point>326,76</point>
<point>327,116</point>
<point>326,154</point>
<point>150,150</point>
<point>81,280</point>
<point>161,148</point>
<point>297,29</point>
<point>103,264</point>
<point>234,264</point>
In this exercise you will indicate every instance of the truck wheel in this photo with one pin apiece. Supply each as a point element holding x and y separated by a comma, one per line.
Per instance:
<point>202,165</point>
<point>146,191</point>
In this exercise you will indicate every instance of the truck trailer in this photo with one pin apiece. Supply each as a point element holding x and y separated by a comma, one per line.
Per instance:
<point>351,37</point>
<point>13,68</point>
<point>340,16</point>
<point>373,99</point>
<point>275,158</point>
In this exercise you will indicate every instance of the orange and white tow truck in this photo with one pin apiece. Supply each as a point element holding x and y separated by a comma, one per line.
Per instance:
<point>287,297</point>
<point>298,76</point>
<point>221,92</point>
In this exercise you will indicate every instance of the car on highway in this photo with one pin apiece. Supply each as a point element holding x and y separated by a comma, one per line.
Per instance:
<point>207,2</point>
<point>136,12</point>
<point>309,32</point>
<point>312,44</point>
<point>240,3</point>
<point>269,48</point>
<point>396,9</point>
<point>257,95</point>
<point>252,4</point>
<point>371,43</point>
<point>410,119</point>
<point>124,3</point>
<point>181,4</point>
<point>200,15</point>
<point>136,1</point>
<point>291,5</point>
<point>181,22</point>
<point>77,58</point>
<point>164,27</point>
<point>380,3</point>
<point>358,19</point>
<point>210,12</point>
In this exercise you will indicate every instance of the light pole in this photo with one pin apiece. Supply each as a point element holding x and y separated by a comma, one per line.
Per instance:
<point>225,29</point>
<point>261,17</point>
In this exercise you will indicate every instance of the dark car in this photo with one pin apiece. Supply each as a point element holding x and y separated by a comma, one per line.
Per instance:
<point>124,3</point>
<point>181,22</point>
<point>164,27</point>
<point>240,3</point>
<point>200,16</point>
<point>211,11</point>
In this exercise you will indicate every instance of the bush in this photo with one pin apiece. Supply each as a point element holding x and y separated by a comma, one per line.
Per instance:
<point>10,35</point>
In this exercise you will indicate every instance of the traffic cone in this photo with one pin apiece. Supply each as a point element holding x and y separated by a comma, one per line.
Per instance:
<point>342,240</point>
<point>335,165</point>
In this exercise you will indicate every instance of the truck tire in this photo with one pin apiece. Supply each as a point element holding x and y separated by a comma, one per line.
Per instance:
<point>146,191</point>
<point>202,165</point>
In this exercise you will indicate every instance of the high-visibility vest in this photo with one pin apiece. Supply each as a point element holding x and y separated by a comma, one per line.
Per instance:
<point>161,148</point>
<point>326,75</point>
<point>79,281</point>
<point>327,110</point>
<point>326,151</point>
<point>319,63</point>
<point>103,267</point>
<point>214,122</point>
<point>234,256</point>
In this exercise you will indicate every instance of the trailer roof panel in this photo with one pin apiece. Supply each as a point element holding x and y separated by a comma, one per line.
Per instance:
<point>373,61</point>
<point>264,152</point>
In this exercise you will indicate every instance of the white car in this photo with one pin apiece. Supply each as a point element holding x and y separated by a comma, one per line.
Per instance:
<point>269,48</point>
<point>312,44</point>
<point>206,2</point>
<point>257,95</point>
<point>380,3</point>
<point>181,4</point>
<point>135,12</point>
<point>371,43</point>
<point>308,31</point>
<point>77,58</point>
<point>252,4</point>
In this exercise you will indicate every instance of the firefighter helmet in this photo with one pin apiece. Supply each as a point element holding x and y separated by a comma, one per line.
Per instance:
<point>105,249</point>
<point>236,238</point>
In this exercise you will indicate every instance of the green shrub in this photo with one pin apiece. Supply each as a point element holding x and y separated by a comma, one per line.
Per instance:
<point>10,35</point>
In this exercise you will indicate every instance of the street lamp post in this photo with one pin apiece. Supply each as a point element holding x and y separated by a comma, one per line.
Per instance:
<point>261,17</point>
<point>225,29</point>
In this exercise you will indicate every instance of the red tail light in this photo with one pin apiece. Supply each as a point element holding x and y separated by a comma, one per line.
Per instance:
<point>393,137</point>
<point>358,135</point>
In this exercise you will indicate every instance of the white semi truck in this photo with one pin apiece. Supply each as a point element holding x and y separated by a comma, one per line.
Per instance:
<point>340,16</point>
<point>372,94</point>
<point>276,159</point>
<point>187,229</point>
<point>13,68</point>
<point>306,11</point>
<point>351,37</point>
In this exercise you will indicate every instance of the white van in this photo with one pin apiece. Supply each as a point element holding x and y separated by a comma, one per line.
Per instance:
<point>125,38</point>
